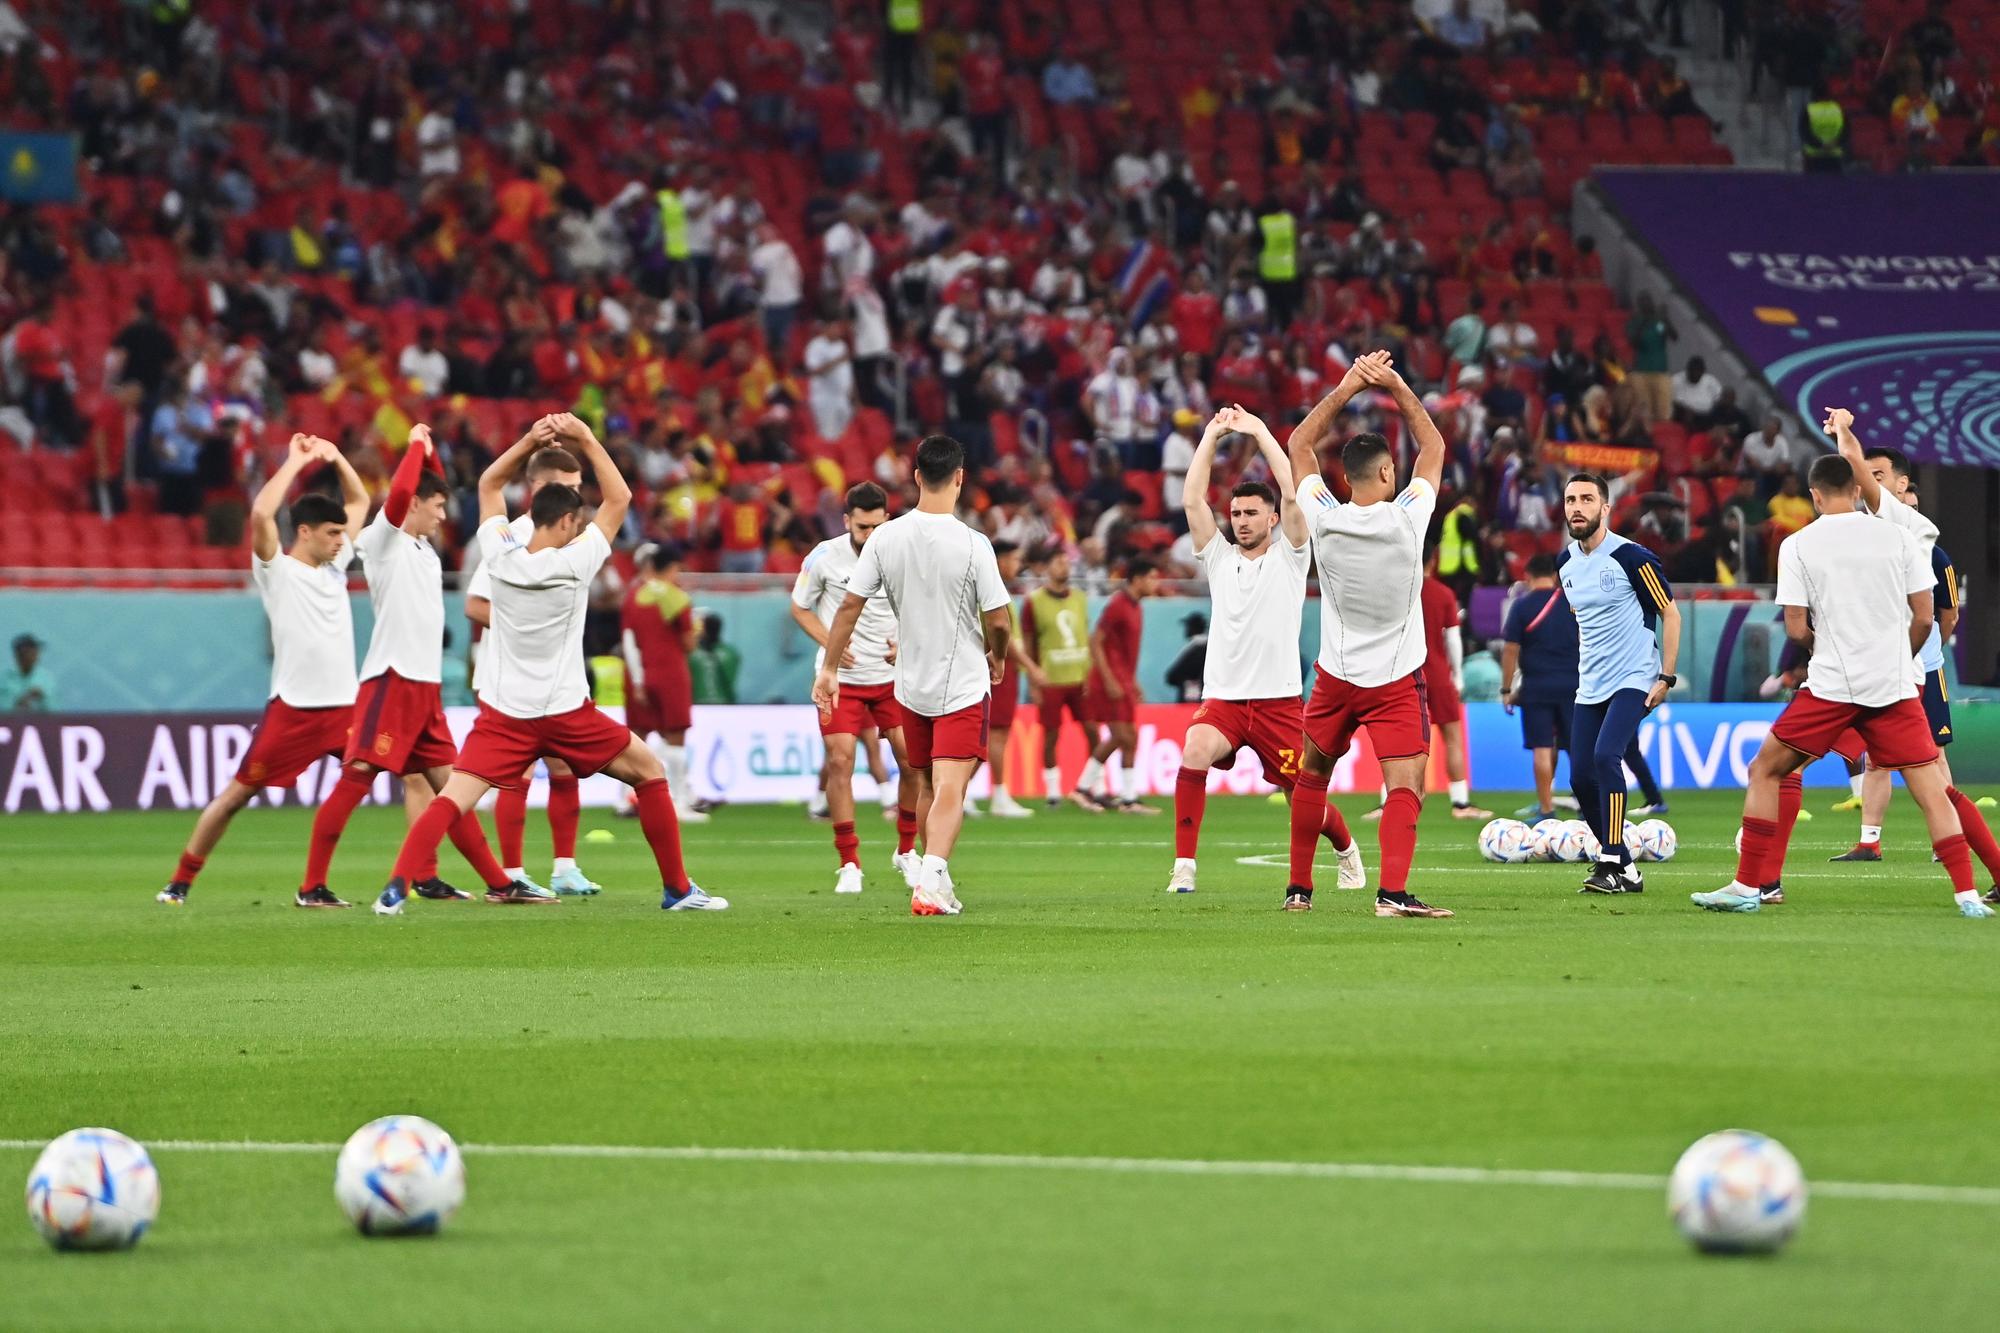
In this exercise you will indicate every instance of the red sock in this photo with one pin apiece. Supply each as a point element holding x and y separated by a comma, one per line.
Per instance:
<point>328,823</point>
<point>565,810</point>
<point>189,867</point>
<point>1190,804</point>
<point>1758,837</point>
<point>1396,833</point>
<point>1308,817</point>
<point>906,830</point>
<point>663,831</point>
<point>1791,796</point>
<point>470,839</point>
<point>420,844</point>
<point>1335,829</point>
<point>1978,833</point>
<point>510,824</point>
<point>1957,858</point>
<point>846,843</point>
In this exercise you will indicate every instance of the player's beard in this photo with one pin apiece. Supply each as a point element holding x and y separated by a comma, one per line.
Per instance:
<point>1249,548</point>
<point>1589,531</point>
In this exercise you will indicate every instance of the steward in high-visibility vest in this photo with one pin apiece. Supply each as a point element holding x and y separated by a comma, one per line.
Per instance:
<point>1824,135</point>
<point>607,677</point>
<point>673,224</point>
<point>906,16</point>
<point>1279,259</point>
<point>1458,542</point>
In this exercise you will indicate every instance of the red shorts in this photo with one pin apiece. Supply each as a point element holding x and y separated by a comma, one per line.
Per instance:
<point>1272,728</point>
<point>1102,709</point>
<point>959,735</point>
<point>1055,698</point>
<point>1849,746</point>
<point>863,708</point>
<point>1396,715</point>
<point>1442,698</point>
<point>399,726</point>
<point>1896,735</point>
<point>291,740</point>
<point>668,706</point>
<point>1006,697</point>
<point>500,748</point>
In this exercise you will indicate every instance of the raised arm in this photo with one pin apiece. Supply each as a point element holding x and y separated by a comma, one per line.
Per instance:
<point>615,491</point>
<point>1840,425</point>
<point>1291,518</point>
<point>353,495</point>
<point>403,485</point>
<point>1194,489</point>
<point>264,543</point>
<point>494,480</point>
<point>1430,444</point>
<point>1310,434</point>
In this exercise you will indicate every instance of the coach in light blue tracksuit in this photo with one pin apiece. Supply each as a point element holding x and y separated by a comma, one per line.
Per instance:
<point>1618,590</point>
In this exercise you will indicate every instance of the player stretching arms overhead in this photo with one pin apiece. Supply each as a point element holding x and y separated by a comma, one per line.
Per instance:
<point>1858,594</point>
<point>1257,589</point>
<point>399,724</point>
<point>312,648</point>
<point>1111,695</point>
<point>533,698</point>
<point>868,684</point>
<point>558,466</point>
<point>944,586</point>
<point>1617,589</point>
<point>1371,631</point>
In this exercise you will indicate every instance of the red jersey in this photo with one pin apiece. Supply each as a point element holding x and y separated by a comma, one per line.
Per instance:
<point>1440,607</point>
<point>657,615</point>
<point>1119,630</point>
<point>984,75</point>
<point>1197,318</point>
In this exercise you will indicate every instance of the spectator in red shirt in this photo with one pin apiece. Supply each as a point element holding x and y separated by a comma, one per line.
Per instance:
<point>1112,694</point>
<point>983,74</point>
<point>740,516</point>
<point>38,350</point>
<point>1196,313</point>
<point>771,66</point>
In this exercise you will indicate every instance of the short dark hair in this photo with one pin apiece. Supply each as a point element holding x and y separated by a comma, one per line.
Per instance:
<point>865,495</point>
<point>1898,461</point>
<point>555,501</point>
<point>551,461</point>
<point>430,483</point>
<point>938,456</point>
<point>1832,474</point>
<point>1541,565</point>
<point>1254,490</point>
<point>1364,453</point>
<point>1603,486</point>
<point>1139,566</point>
<point>657,557</point>
<point>1004,548</point>
<point>312,509</point>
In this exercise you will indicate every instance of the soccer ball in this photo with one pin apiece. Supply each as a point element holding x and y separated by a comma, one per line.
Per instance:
<point>1657,841</point>
<point>1737,1192</point>
<point>399,1176</point>
<point>1567,842</point>
<point>1542,839</point>
<point>93,1189</point>
<point>1505,840</point>
<point>1632,847</point>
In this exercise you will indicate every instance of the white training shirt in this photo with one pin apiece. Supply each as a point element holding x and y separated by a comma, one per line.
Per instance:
<point>940,578</point>
<point>312,628</point>
<point>481,585</point>
<point>1371,579</point>
<point>1907,517</point>
<point>406,585</point>
<point>822,587</point>
<point>532,665</point>
<point>1855,576</point>
<point>1253,631</point>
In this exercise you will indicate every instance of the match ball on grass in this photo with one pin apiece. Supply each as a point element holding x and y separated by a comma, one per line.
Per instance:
<point>1542,835</point>
<point>1657,840</point>
<point>1505,840</point>
<point>399,1176</point>
<point>1586,841</point>
<point>93,1189</point>
<point>1737,1192</point>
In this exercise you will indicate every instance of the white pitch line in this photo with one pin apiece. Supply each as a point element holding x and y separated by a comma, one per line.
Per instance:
<point>1976,1195</point>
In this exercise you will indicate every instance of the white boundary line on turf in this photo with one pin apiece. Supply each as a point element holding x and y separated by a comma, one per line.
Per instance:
<point>1976,1195</point>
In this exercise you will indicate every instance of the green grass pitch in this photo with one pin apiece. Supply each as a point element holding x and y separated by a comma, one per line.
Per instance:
<point>1075,1010</point>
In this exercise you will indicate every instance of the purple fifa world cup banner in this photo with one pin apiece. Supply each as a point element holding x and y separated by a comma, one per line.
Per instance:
<point>1876,293</point>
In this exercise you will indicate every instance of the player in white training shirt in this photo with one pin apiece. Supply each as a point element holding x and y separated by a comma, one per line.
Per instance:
<point>944,585</point>
<point>867,683</point>
<point>1250,683</point>
<point>304,591</point>
<point>534,698</point>
<point>1370,558</point>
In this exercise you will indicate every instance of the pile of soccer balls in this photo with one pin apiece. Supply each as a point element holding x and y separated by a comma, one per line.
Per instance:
<point>96,1189</point>
<point>1510,841</point>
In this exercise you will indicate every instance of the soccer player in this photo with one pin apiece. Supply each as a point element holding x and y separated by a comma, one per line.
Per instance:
<point>1369,553</point>
<point>1055,633</point>
<point>657,631</point>
<point>304,591</point>
<point>944,586</point>
<point>1111,694</point>
<point>1857,593</point>
<point>1007,693</point>
<point>1250,684</point>
<point>533,695</point>
<point>867,672</point>
<point>1618,590</point>
<point>547,466</point>
<point>1444,665</point>
<point>399,724</point>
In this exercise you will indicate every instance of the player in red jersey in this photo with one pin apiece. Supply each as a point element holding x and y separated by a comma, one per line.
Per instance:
<point>1112,694</point>
<point>1250,679</point>
<point>399,724</point>
<point>1444,666</point>
<point>658,631</point>
<point>534,698</point>
<point>312,647</point>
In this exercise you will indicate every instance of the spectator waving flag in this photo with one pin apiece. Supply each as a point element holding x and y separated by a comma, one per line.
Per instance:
<point>1144,281</point>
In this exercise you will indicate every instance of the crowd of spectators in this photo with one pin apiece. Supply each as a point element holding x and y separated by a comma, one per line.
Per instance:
<point>762,261</point>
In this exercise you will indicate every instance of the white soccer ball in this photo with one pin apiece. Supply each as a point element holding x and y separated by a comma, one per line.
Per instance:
<point>399,1176</point>
<point>1737,1192</point>
<point>1632,840</point>
<point>1504,840</point>
<point>93,1189</point>
<point>1657,840</point>
<point>1542,839</point>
